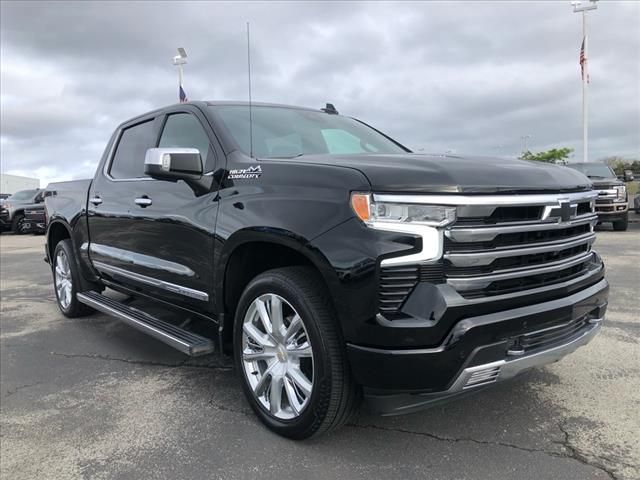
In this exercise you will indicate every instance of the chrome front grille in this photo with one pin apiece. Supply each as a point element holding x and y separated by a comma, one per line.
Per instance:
<point>500,244</point>
<point>486,258</point>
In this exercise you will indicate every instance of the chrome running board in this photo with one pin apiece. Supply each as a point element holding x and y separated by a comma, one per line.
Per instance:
<point>176,337</point>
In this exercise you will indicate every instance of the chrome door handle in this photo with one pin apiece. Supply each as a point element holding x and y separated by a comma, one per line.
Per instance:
<point>143,201</point>
<point>96,200</point>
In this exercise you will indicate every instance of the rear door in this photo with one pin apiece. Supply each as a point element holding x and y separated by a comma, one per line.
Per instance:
<point>156,236</point>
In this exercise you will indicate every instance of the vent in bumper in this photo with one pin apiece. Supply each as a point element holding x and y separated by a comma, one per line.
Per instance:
<point>396,283</point>
<point>550,336</point>
<point>481,377</point>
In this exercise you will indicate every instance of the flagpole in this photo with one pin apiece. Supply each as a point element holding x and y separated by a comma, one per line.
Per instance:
<point>583,7</point>
<point>179,61</point>
<point>585,86</point>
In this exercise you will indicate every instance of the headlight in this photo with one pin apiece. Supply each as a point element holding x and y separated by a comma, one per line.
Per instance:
<point>622,193</point>
<point>425,221</point>
<point>372,212</point>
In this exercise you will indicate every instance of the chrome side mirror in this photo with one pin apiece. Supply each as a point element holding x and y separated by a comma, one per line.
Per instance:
<point>173,164</point>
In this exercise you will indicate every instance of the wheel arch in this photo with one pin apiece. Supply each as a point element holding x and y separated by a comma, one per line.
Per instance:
<point>249,253</point>
<point>56,232</point>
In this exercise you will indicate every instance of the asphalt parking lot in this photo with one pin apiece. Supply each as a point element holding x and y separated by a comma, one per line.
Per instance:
<point>92,398</point>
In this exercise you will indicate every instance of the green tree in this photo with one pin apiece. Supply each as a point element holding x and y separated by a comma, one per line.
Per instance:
<point>555,155</point>
<point>619,164</point>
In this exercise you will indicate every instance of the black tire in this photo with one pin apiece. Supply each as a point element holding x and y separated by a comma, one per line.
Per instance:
<point>16,224</point>
<point>335,397</point>
<point>74,308</point>
<point>621,225</point>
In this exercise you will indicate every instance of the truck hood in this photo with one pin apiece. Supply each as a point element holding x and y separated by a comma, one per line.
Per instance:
<point>605,182</point>
<point>418,173</point>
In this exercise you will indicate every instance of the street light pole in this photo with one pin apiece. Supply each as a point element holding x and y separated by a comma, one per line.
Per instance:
<point>524,139</point>
<point>579,7</point>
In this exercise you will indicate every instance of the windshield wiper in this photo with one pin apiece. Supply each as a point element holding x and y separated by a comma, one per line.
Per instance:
<point>595,176</point>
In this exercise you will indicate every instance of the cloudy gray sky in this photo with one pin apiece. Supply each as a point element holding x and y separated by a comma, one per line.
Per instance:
<point>471,77</point>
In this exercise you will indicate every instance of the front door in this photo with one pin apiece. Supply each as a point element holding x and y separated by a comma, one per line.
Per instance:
<point>151,235</point>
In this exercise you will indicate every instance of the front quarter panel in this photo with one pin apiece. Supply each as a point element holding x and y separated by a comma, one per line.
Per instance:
<point>282,202</point>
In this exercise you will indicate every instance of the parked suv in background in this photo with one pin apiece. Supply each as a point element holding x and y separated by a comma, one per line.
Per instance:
<point>329,259</point>
<point>12,210</point>
<point>612,203</point>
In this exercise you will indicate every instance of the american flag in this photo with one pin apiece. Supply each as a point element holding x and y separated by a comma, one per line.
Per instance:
<point>583,60</point>
<point>182,95</point>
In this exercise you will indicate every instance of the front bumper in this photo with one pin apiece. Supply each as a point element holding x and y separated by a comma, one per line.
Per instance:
<point>611,211</point>
<point>481,350</point>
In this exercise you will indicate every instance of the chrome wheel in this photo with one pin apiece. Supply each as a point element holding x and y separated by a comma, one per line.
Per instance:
<point>63,279</point>
<point>277,356</point>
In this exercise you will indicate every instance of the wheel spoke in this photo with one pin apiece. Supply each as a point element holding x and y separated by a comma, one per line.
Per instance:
<point>277,320</point>
<point>249,356</point>
<point>264,316</point>
<point>275,394</point>
<point>60,271</point>
<point>265,379</point>
<point>299,378</point>
<point>301,351</point>
<point>292,396</point>
<point>261,338</point>
<point>294,326</point>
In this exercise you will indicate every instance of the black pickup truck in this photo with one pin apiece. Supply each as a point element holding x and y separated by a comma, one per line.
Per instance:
<point>328,259</point>
<point>13,210</point>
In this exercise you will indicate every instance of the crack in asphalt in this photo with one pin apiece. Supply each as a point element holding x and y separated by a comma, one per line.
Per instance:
<point>95,356</point>
<point>574,454</point>
<point>20,387</point>
<point>224,408</point>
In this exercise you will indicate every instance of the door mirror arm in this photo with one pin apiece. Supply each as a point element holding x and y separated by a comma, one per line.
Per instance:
<point>172,164</point>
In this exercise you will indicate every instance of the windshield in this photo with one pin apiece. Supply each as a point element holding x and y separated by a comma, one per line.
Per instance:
<point>288,132</point>
<point>593,169</point>
<point>23,195</point>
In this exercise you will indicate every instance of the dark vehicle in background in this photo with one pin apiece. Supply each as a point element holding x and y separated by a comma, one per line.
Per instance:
<point>328,259</point>
<point>12,210</point>
<point>636,204</point>
<point>612,203</point>
<point>35,220</point>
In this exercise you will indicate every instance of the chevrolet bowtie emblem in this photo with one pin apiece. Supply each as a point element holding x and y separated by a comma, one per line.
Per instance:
<point>565,211</point>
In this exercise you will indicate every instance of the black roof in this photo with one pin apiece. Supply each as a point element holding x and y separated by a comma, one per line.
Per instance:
<point>257,104</point>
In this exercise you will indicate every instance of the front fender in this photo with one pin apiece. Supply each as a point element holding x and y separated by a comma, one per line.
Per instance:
<point>274,236</point>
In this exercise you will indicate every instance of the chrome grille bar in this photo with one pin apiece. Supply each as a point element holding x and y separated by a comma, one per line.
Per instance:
<point>462,283</point>
<point>479,258</point>
<point>510,200</point>
<point>486,234</point>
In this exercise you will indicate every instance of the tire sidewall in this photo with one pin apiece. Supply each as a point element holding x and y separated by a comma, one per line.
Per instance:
<point>316,408</point>
<point>16,227</point>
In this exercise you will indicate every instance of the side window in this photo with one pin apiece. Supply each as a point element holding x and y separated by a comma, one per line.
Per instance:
<point>128,161</point>
<point>185,131</point>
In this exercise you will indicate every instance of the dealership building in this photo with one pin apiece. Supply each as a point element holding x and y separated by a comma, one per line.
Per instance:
<point>10,184</point>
